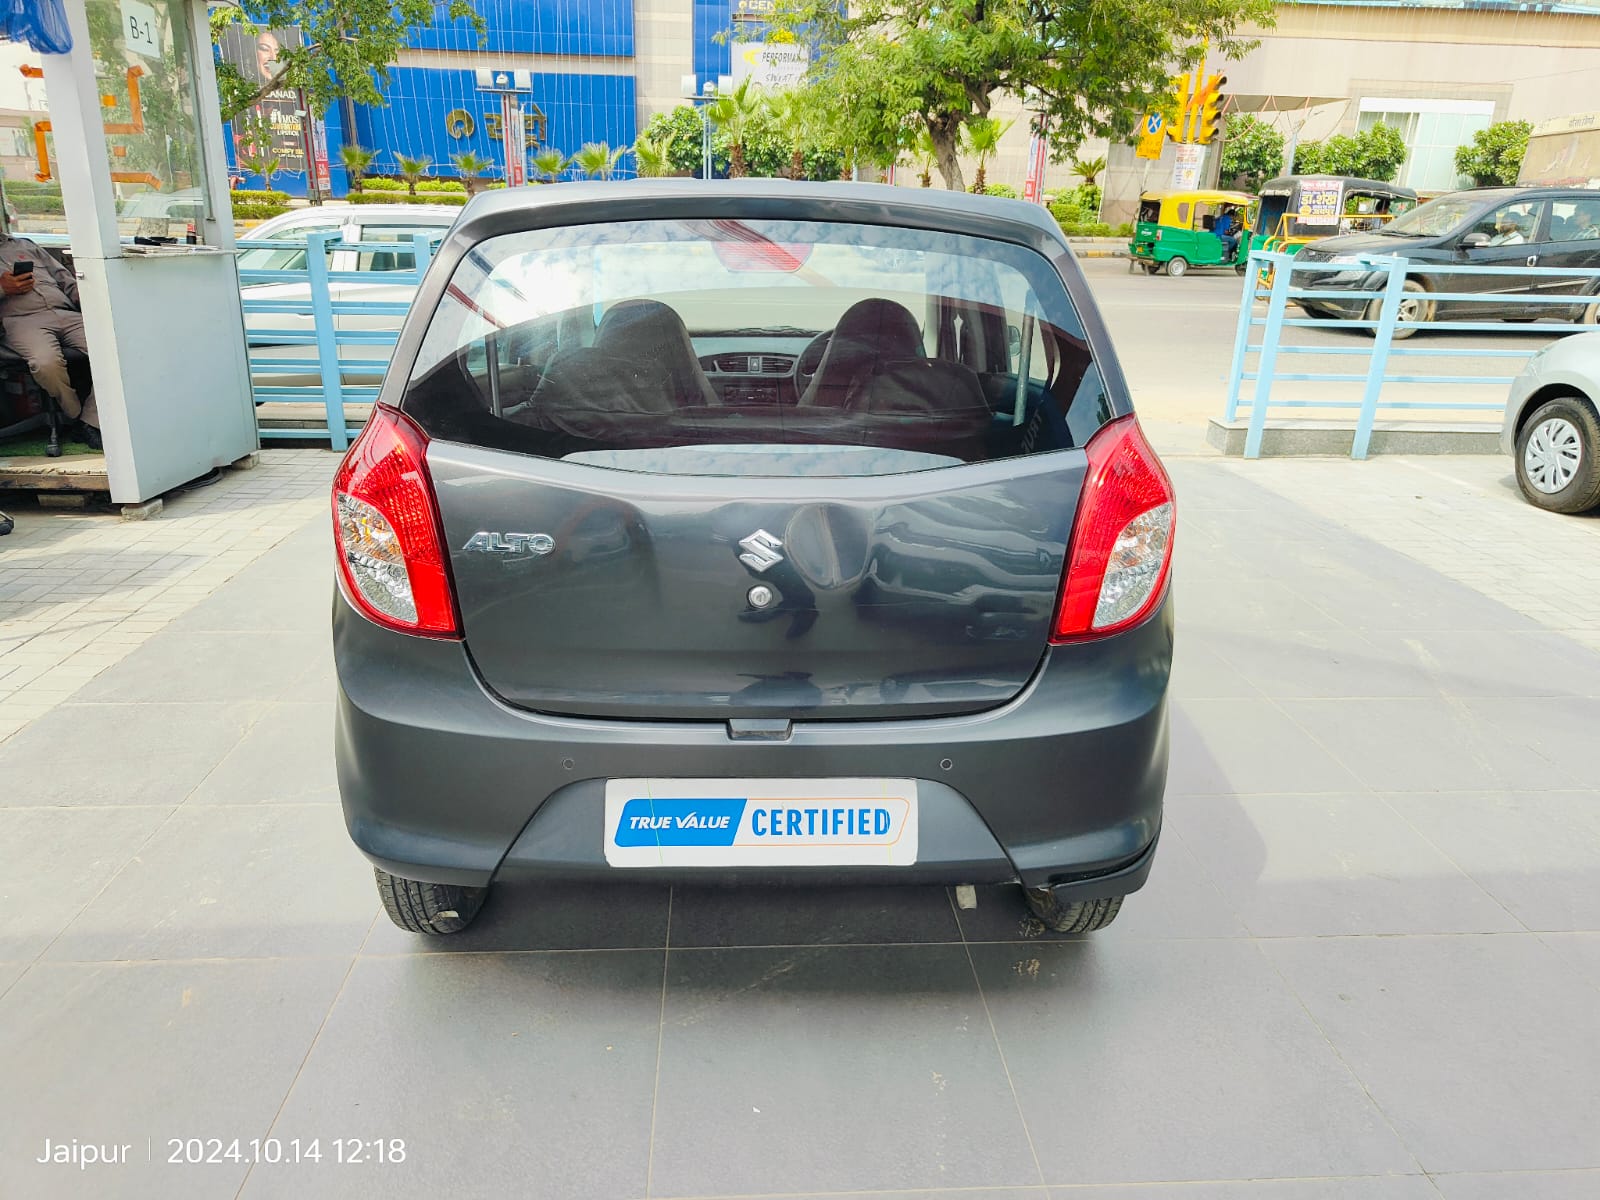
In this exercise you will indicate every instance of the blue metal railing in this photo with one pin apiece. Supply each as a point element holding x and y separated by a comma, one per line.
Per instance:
<point>327,311</point>
<point>1393,272</point>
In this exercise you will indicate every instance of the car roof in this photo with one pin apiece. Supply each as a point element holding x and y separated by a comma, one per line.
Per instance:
<point>508,210</point>
<point>1200,196</point>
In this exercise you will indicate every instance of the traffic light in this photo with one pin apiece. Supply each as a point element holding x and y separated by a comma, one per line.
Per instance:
<point>1178,127</point>
<point>1208,109</point>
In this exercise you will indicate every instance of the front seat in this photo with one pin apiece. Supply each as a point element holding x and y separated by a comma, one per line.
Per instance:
<point>651,339</point>
<point>871,331</point>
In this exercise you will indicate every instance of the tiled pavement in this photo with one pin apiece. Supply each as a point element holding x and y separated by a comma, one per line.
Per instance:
<point>1366,966</point>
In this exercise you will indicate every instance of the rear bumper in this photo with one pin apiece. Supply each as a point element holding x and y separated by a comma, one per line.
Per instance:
<point>441,781</point>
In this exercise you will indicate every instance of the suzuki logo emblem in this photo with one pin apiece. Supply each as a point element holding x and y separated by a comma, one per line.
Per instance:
<point>761,551</point>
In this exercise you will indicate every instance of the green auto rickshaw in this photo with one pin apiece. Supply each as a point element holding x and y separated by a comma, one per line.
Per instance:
<point>1178,230</point>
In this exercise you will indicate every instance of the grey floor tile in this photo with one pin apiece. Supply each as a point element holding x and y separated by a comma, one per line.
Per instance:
<point>53,861</point>
<point>242,882</point>
<point>135,1054</point>
<point>1521,1185</point>
<point>10,972</point>
<point>118,753</point>
<point>1537,853</point>
<point>1328,662</point>
<point>802,916</point>
<point>529,914</point>
<point>1226,747</point>
<point>1260,604</point>
<point>1528,663</point>
<point>212,667</point>
<point>1560,733</point>
<point>504,1074</point>
<point>1222,1075</point>
<point>1372,1187</point>
<point>831,1069</point>
<point>1199,671</point>
<point>1177,901</point>
<point>286,756</point>
<point>1581,950</point>
<point>289,588</point>
<point>1424,746</point>
<point>1310,865</point>
<point>1407,597</point>
<point>1482,1051</point>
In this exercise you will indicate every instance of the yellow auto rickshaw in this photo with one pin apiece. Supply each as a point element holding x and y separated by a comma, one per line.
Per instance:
<point>1297,209</point>
<point>1180,230</point>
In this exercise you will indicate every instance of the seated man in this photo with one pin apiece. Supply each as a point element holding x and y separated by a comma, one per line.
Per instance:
<point>1226,224</point>
<point>1583,227</point>
<point>1507,233</point>
<point>39,311</point>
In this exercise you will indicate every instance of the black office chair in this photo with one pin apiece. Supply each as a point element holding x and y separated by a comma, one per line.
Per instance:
<point>50,414</point>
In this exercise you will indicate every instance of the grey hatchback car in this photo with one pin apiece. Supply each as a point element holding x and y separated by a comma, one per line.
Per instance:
<point>753,532</point>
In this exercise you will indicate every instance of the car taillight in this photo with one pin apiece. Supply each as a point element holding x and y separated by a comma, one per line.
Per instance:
<point>386,527</point>
<point>1121,549</point>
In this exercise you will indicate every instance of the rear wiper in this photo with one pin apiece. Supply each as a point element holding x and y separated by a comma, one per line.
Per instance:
<point>758,331</point>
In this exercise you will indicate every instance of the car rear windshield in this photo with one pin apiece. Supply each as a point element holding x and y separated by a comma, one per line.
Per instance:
<point>756,347</point>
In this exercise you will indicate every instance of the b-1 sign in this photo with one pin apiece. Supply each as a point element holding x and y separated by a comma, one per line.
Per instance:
<point>141,31</point>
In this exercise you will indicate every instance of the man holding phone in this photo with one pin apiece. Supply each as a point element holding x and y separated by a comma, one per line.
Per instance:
<point>40,315</point>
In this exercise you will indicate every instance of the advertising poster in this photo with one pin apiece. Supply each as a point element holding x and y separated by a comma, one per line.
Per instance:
<point>1186,170</point>
<point>771,66</point>
<point>1320,202</point>
<point>256,57</point>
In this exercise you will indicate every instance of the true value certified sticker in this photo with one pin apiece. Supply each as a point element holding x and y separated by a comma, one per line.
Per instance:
<point>761,822</point>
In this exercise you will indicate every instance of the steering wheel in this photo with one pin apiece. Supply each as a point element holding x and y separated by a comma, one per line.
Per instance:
<point>805,367</point>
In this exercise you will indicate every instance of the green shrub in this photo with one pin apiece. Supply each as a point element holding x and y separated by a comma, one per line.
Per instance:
<point>378,183</point>
<point>36,203</point>
<point>1066,211</point>
<point>1003,190</point>
<point>247,211</point>
<point>18,187</point>
<point>456,198</point>
<point>441,185</point>
<point>260,196</point>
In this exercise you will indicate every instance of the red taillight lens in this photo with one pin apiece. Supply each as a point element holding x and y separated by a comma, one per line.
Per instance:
<point>386,528</point>
<point>1121,548</point>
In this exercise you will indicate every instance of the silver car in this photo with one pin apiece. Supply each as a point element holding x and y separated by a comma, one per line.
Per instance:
<point>1552,430</point>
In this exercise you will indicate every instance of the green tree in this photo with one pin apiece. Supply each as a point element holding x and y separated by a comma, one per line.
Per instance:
<point>1252,151</point>
<point>922,150</point>
<point>1495,154</point>
<point>471,167</point>
<point>983,136</point>
<point>1088,169</point>
<point>733,113</point>
<point>356,160</point>
<point>793,117</point>
<point>1093,67</point>
<point>598,160</point>
<point>549,163</point>
<point>685,127</point>
<point>346,46</point>
<point>652,158</point>
<point>1375,153</point>
<point>256,153</point>
<point>412,170</point>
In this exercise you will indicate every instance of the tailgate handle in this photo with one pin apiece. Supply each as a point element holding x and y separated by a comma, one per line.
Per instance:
<point>759,729</point>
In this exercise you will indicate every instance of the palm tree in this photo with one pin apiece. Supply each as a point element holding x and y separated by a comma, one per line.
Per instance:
<point>1088,169</point>
<point>794,116</point>
<point>923,149</point>
<point>356,160</point>
<point>598,160</point>
<point>983,139</point>
<point>549,163</point>
<point>471,166</point>
<point>734,111</point>
<point>412,170</point>
<point>653,157</point>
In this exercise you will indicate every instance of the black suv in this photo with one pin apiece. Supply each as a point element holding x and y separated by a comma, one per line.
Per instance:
<point>1494,227</point>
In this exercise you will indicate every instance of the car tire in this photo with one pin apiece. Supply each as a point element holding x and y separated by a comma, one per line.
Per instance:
<point>1402,329</point>
<point>1590,315</point>
<point>1557,468</point>
<point>1071,916</point>
<point>1177,266</point>
<point>431,908</point>
<point>1240,268</point>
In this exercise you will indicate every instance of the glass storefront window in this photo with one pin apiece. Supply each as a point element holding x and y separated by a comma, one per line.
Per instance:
<point>1432,131</point>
